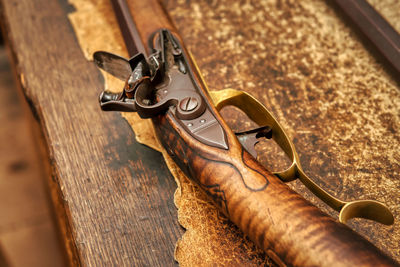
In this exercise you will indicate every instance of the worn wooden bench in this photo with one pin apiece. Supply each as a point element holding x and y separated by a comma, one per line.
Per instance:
<point>92,157</point>
<point>114,196</point>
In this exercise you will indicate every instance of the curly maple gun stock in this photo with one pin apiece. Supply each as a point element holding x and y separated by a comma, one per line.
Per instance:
<point>289,228</point>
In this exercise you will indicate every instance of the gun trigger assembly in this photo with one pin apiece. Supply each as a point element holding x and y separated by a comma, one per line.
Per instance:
<point>249,139</point>
<point>270,128</point>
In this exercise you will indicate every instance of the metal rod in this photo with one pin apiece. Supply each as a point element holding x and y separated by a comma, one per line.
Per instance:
<point>128,28</point>
<point>375,28</point>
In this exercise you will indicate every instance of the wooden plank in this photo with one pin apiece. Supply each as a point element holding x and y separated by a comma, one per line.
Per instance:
<point>27,229</point>
<point>3,258</point>
<point>116,194</point>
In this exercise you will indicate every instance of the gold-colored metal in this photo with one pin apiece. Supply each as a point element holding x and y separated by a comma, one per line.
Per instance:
<point>368,209</point>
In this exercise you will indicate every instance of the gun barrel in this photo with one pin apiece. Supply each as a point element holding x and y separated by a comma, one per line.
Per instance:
<point>379,32</point>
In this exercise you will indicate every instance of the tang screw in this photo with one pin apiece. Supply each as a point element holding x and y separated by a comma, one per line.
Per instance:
<point>188,104</point>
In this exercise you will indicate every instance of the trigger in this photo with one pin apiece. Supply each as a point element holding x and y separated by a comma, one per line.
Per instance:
<point>250,138</point>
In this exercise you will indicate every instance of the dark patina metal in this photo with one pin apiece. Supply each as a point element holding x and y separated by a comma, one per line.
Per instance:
<point>378,31</point>
<point>159,83</point>
<point>249,139</point>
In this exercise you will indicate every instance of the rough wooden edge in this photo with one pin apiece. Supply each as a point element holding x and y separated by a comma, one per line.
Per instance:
<point>59,208</point>
<point>3,258</point>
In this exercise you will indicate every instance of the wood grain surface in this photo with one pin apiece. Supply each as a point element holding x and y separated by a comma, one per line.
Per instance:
<point>116,195</point>
<point>28,234</point>
<point>3,259</point>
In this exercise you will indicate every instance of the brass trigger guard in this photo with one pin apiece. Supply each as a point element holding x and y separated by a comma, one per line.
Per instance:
<point>367,209</point>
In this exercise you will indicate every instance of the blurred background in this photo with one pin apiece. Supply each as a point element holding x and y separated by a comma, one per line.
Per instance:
<point>28,235</point>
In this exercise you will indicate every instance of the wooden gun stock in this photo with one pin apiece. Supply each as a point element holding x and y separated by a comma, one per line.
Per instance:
<point>290,229</point>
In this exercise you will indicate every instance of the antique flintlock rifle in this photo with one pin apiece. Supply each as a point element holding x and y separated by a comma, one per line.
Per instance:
<point>164,84</point>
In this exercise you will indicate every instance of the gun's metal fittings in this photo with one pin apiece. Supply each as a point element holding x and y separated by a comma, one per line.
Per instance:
<point>250,138</point>
<point>188,104</point>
